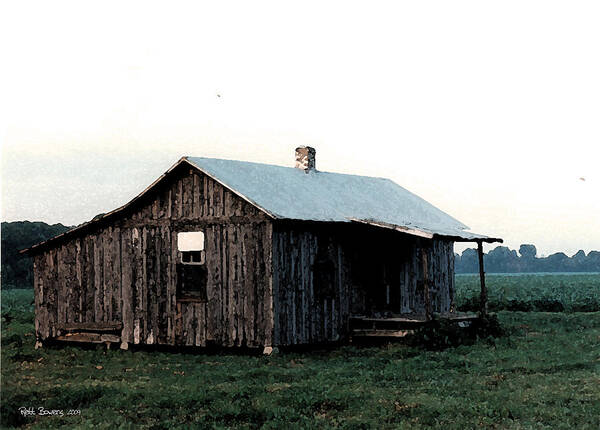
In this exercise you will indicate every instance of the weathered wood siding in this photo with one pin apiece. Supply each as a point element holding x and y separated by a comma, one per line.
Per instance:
<point>440,270</point>
<point>269,282</point>
<point>302,313</point>
<point>375,272</point>
<point>387,272</point>
<point>126,270</point>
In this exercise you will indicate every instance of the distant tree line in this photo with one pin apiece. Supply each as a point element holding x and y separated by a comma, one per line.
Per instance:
<point>504,260</point>
<point>17,269</point>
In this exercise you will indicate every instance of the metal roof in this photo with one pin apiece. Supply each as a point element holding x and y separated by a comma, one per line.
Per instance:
<point>292,193</point>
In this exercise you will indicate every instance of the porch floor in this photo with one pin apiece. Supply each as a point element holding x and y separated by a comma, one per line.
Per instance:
<point>400,325</point>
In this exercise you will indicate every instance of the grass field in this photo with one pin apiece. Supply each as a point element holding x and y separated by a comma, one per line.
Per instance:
<point>544,374</point>
<point>532,292</point>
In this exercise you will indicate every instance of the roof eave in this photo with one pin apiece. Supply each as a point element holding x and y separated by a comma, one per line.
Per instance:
<point>415,231</point>
<point>479,238</point>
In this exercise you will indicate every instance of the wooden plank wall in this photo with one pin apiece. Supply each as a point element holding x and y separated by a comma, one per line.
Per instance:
<point>256,295</point>
<point>401,256</point>
<point>303,315</point>
<point>365,260</point>
<point>125,271</point>
<point>440,269</point>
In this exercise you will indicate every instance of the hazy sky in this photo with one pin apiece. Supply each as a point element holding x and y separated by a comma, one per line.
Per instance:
<point>489,110</point>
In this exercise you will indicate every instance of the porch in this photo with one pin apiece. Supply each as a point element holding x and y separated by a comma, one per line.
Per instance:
<point>400,325</point>
<point>382,323</point>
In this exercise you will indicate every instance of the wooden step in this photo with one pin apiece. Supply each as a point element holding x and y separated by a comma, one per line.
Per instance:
<point>89,338</point>
<point>381,333</point>
<point>103,326</point>
<point>404,323</point>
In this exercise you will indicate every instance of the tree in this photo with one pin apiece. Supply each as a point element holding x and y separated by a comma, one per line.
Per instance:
<point>502,259</point>
<point>469,262</point>
<point>528,251</point>
<point>17,269</point>
<point>557,262</point>
<point>592,263</point>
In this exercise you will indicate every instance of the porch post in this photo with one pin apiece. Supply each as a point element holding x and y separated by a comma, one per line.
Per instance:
<point>483,295</point>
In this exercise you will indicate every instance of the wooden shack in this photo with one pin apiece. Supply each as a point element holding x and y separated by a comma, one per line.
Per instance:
<point>232,253</point>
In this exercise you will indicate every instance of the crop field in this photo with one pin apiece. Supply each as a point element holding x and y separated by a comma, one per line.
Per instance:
<point>543,374</point>
<point>532,292</point>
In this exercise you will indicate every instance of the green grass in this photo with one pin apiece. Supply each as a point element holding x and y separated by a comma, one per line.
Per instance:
<point>532,292</point>
<point>545,374</point>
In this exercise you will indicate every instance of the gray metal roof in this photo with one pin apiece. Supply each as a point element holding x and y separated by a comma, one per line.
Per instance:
<point>291,193</point>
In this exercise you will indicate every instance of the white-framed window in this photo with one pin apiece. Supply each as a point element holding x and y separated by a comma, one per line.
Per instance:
<point>190,245</point>
<point>192,273</point>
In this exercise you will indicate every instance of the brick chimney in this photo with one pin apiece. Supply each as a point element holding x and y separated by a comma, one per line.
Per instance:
<point>305,158</point>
